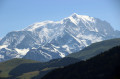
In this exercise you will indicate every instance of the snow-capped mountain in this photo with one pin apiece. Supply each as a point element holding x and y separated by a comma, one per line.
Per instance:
<point>48,40</point>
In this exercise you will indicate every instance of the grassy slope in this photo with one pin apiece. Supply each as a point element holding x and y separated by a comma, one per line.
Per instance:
<point>22,68</point>
<point>26,69</point>
<point>103,66</point>
<point>95,49</point>
<point>43,68</point>
<point>28,75</point>
<point>6,67</point>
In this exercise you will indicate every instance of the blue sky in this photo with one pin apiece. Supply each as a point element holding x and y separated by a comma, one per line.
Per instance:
<point>18,14</point>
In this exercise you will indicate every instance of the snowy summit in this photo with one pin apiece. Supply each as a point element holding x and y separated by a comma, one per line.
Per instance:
<point>48,40</point>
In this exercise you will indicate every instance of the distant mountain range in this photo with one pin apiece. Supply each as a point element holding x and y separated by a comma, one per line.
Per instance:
<point>48,40</point>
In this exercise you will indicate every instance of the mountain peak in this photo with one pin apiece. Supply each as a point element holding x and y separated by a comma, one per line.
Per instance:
<point>76,18</point>
<point>74,15</point>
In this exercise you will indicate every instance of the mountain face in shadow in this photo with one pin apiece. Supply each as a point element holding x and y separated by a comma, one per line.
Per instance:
<point>103,66</point>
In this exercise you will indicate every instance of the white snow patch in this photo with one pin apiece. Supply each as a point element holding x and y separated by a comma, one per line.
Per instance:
<point>96,29</point>
<point>22,51</point>
<point>3,46</point>
<point>18,56</point>
<point>1,56</point>
<point>34,48</point>
<point>92,38</point>
<point>86,18</point>
<point>46,48</point>
<point>55,46</point>
<point>73,20</point>
<point>8,49</point>
<point>46,55</point>
<point>62,54</point>
<point>67,48</point>
<point>40,24</point>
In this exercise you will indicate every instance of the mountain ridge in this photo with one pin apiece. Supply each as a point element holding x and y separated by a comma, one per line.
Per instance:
<point>52,40</point>
<point>95,49</point>
<point>102,66</point>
